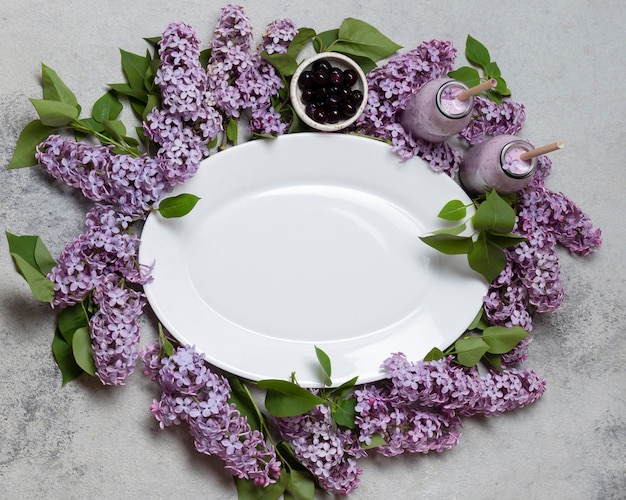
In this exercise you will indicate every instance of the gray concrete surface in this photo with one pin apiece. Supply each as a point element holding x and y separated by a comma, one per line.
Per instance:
<point>563,59</point>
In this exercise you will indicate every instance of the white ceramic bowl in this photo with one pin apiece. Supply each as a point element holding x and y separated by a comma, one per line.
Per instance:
<point>338,61</point>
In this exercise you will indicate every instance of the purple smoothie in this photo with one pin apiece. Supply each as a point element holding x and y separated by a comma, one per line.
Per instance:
<point>495,164</point>
<point>433,112</point>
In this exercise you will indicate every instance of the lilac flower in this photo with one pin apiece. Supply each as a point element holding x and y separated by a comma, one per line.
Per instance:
<point>490,118</point>
<point>328,452</point>
<point>404,427</point>
<point>390,87</point>
<point>230,57</point>
<point>192,393</point>
<point>114,330</point>
<point>452,388</point>
<point>240,79</point>
<point>128,183</point>
<point>187,120</point>
<point>104,248</point>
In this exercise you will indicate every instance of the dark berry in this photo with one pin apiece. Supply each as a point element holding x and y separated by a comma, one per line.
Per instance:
<point>334,101</point>
<point>348,109</point>
<point>321,77</point>
<point>356,96</point>
<point>327,92</point>
<point>305,80</point>
<point>334,115</point>
<point>320,115</point>
<point>336,76</point>
<point>308,95</point>
<point>349,77</point>
<point>322,64</point>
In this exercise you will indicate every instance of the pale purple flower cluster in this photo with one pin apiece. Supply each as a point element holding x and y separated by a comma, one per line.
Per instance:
<point>490,118</point>
<point>114,330</point>
<point>330,453</point>
<point>239,79</point>
<point>104,248</point>
<point>278,35</point>
<point>532,279</point>
<point>192,393</point>
<point>186,121</point>
<point>391,85</point>
<point>418,408</point>
<point>130,184</point>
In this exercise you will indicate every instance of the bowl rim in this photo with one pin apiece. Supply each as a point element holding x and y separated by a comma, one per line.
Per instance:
<point>295,92</point>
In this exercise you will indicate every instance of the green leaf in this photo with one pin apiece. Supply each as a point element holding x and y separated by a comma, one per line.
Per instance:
<point>55,113</point>
<point>376,440</point>
<point>127,90</point>
<point>71,319</point>
<point>345,388</point>
<point>492,70</point>
<point>324,361</point>
<point>232,130</point>
<point>469,350</point>
<point>32,250</point>
<point>115,128</point>
<point>54,89</point>
<point>205,57</point>
<point>153,102</point>
<point>33,262</point>
<point>322,41</point>
<point>502,339</point>
<point>454,230</point>
<point>64,358</point>
<point>303,36</point>
<point>359,38</point>
<point>476,52</point>
<point>166,345</point>
<point>494,214</point>
<point>108,107</point>
<point>40,286</point>
<point>505,240</point>
<point>286,64</point>
<point>487,258</point>
<point>469,76</point>
<point>134,67</point>
<point>286,399</point>
<point>31,136</point>
<point>453,210</point>
<point>242,399</point>
<point>91,126</point>
<point>81,348</point>
<point>177,206</point>
<point>367,64</point>
<point>344,413</point>
<point>301,485</point>
<point>434,354</point>
<point>449,244</point>
<point>479,322</point>
<point>494,360</point>
<point>247,490</point>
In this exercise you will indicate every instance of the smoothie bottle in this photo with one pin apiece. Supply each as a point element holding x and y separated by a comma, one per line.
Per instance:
<point>495,164</point>
<point>434,113</point>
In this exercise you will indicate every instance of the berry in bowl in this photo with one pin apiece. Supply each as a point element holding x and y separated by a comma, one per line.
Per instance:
<point>328,91</point>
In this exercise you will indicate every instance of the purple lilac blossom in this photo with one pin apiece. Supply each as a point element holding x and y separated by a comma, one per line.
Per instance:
<point>239,79</point>
<point>130,184</point>
<point>490,118</point>
<point>391,85</point>
<point>187,120</point>
<point>231,56</point>
<point>105,247</point>
<point>114,330</point>
<point>192,393</point>
<point>330,453</point>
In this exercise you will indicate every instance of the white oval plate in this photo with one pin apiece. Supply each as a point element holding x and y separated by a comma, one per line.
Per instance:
<point>310,240</point>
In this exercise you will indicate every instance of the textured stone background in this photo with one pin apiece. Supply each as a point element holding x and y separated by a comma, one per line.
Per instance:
<point>563,59</point>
